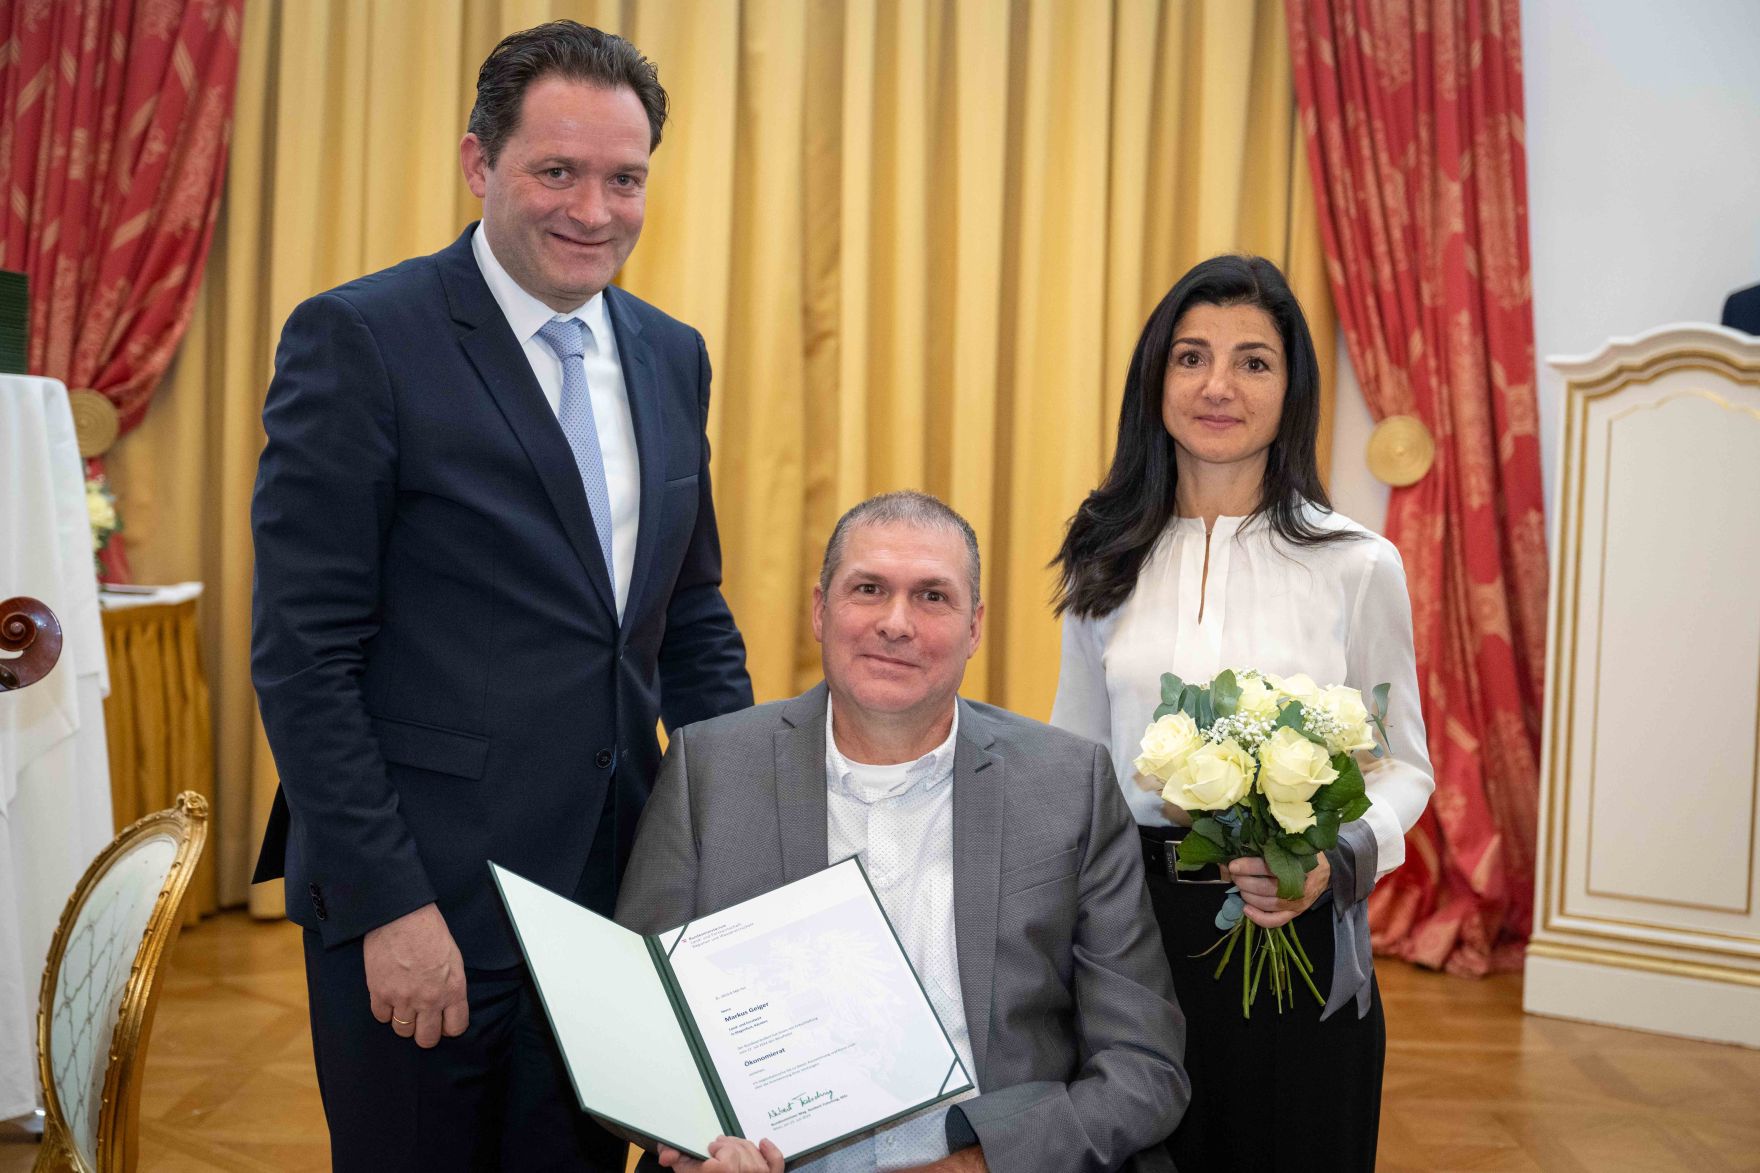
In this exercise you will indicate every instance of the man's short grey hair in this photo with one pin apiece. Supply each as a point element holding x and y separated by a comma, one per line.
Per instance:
<point>904,507</point>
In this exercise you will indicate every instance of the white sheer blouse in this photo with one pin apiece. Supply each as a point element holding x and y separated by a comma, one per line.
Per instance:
<point>1338,613</point>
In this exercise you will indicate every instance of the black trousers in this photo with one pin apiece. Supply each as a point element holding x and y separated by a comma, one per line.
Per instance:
<point>1275,1092</point>
<point>496,1097</point>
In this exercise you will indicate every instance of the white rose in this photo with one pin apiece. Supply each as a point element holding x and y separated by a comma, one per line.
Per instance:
<point>1258,699</point>
<point>1292,768</point>
<point>1213,777</point>
<point>1166,745</point>
<point>1293,817</point>
<point>1345,705</point>
<point>1300,687</point>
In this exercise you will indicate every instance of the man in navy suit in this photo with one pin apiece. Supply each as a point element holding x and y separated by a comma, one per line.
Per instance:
<point>486,564</point>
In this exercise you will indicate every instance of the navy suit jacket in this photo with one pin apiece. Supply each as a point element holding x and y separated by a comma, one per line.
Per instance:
<point>435,647</point>
<point>1741,311</point>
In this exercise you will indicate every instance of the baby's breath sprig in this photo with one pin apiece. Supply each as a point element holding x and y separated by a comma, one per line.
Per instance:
<point>1247,730</point>
<point>1323,724</point>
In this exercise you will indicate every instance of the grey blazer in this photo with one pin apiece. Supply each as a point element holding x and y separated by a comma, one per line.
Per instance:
<point>1075,1032</point>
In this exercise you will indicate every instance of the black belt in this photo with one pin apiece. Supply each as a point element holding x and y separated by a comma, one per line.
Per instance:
<point>1159,858</point>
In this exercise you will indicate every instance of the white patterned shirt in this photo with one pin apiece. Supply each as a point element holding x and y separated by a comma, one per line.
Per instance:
<point>899,820</point>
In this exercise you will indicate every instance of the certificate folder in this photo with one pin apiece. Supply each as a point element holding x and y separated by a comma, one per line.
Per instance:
<point>794,1015</point>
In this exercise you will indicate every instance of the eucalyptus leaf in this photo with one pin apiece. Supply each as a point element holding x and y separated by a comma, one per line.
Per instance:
<point>1290,717</point>
<point>1378,719</point>
<point>1225,694</point>
<point>1231,911</point>
<point>1206,715</point>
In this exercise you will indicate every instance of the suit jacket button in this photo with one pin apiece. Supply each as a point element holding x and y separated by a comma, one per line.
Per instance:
<point>603,760</point>
<point>318,907</point>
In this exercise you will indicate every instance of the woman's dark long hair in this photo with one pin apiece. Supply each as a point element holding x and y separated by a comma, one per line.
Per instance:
<point>1116,527</point>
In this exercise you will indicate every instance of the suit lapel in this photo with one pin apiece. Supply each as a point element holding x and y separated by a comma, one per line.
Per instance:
<point>978,777</point>
<point>489,343</point>
<point>643,388</point>
<point>800,785</point>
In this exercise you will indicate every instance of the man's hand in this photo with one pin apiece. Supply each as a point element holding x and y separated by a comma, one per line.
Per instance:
<point>727,1154</point>
<point>415,977</point>
<point>1259,889</point>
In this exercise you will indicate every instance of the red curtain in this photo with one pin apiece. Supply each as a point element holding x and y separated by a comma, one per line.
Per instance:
<point>1412,110</point>
<point>114,121</point>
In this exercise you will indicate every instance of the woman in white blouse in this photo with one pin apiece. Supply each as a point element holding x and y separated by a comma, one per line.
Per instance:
<point>1211,545</point>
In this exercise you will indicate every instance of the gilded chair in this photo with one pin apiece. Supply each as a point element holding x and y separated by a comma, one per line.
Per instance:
<point>100,987</point>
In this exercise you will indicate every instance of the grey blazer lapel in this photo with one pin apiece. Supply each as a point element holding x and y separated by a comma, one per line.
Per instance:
<point>800,785</point>
<point>978,778</point>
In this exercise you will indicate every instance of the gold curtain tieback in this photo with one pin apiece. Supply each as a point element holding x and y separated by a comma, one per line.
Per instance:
<point>95,422</point>
<point>1401,450</point>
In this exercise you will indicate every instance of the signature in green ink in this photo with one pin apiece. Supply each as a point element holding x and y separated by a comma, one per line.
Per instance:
<point>801,1101</point>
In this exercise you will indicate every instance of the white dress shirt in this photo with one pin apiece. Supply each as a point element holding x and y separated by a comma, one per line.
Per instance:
<point>899,820</point>
<point>611,415</point>
<point>1337,612</point>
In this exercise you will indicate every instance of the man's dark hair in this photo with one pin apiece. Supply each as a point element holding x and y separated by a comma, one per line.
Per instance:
<point>566,49</point>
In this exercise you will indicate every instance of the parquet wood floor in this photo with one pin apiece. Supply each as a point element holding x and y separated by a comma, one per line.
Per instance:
<point>1472,1082</point>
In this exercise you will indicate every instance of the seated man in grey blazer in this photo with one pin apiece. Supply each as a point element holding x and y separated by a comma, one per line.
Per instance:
<point>1000,848</point>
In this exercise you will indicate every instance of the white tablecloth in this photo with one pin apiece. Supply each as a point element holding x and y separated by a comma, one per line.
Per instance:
<point>54,767</point>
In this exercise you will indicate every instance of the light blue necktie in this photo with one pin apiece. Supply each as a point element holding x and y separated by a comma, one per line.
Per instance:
<point>567,339</point>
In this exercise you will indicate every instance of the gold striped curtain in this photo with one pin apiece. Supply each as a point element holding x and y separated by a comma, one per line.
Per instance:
<point>920,237</point>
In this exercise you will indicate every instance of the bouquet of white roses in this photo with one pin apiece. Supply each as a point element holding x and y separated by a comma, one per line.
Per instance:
<point>1266,766</point>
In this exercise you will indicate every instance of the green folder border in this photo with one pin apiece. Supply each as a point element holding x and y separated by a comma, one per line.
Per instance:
<point>699,1050</point>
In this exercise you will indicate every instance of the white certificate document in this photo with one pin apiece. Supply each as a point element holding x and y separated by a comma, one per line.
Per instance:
<point>795,1015</point>
<point>811,1013</point>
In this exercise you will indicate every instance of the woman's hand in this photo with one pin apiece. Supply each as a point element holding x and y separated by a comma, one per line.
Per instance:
<point>1259,889</point>
<point>727,1154</point>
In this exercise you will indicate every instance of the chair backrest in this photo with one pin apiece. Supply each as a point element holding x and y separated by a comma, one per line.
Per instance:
<point>101,983</point>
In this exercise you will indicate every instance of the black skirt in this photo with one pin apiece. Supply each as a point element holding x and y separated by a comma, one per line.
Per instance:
<point>1277,1091</point>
